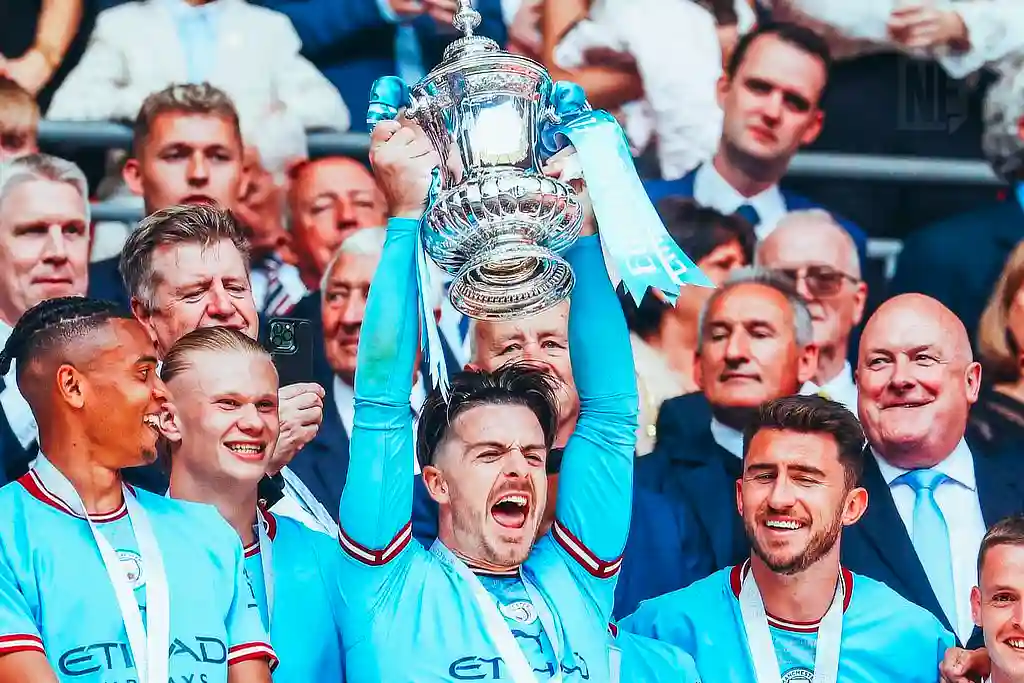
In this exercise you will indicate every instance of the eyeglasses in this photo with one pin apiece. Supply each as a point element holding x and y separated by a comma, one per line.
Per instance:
<point>821,281</point>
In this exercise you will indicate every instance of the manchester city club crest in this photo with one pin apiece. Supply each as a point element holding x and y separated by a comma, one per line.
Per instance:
<point>521,611</point>
<point>798,675</point>
<point>131,562</point>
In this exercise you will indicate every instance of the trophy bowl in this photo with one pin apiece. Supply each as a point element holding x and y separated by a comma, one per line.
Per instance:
<point>496,224</point>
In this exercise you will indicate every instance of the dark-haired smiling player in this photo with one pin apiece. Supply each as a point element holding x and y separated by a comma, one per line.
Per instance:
<point>101,582</point>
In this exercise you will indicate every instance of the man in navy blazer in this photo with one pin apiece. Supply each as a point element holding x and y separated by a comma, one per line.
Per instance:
<point>44,252</point>
<point>770,95</point>
<point>755,344</point>
<point>353,42</point>
<point>932,494</point>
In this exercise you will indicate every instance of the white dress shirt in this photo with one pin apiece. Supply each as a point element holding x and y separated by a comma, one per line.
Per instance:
<point>840,389</point>
<point>15,407</point>
<point>728,438</point>
<point>712,190</point>
<point>680,109</point>
<point>957,498</point>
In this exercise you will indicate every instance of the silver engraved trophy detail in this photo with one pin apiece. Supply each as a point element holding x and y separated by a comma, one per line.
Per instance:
<point>496,224</point>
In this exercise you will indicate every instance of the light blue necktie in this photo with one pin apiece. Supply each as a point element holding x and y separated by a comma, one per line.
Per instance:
<point>931,537</point>
<point>198,35</point>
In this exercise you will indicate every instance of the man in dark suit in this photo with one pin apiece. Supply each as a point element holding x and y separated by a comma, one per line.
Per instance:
<point>755,344</point>
<point>666,547</point>
<point>959,260</point>
<point>44,253</point>
<point>770,95</point>
<point>355,42</point>
<point>932,494</point>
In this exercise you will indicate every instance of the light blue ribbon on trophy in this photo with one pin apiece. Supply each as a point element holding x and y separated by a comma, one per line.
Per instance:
<point>642,252</point>
<point>387,97</point>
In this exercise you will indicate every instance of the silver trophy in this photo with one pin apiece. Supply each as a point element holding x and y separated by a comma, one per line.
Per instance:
<point>496,223</point>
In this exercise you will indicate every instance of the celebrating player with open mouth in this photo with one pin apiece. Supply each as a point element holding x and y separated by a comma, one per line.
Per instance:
<point>99,582</point>
<point>489,600</point>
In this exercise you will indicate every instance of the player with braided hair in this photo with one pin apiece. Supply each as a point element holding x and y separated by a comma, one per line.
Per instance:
<point>100,581</point>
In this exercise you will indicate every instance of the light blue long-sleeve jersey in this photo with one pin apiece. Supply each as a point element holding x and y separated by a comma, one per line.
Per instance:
<point>56,596</point>
<point>305,628</point>
<point>410,616</point>
<point>885,638</point>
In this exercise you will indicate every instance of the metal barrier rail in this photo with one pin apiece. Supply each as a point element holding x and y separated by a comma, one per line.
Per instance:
<point>72,135</point>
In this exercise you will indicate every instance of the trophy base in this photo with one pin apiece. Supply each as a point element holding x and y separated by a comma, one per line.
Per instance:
<point>511,281</point>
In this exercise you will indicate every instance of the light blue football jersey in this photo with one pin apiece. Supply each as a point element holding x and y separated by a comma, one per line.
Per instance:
<point>304,628</point>
<point>885,637</point>
<point>411,616</point>
<point>56,597</point>
<point>645,660</point>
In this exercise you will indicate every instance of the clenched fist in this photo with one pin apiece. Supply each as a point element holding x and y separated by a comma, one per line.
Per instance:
<point>403,160</point>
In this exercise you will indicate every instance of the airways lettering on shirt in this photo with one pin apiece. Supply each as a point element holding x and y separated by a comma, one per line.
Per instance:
<point>475,668</point>
<point>117,657</point>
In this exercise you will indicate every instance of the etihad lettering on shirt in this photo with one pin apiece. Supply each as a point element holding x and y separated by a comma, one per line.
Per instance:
<point>94,658</point>
<point>476,668</point>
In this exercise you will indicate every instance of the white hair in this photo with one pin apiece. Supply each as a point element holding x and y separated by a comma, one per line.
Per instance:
<point>812,219</point>
<point>363,242</point>
<point>370,242</point>
<point>803,328</point>
<point>34,167</point>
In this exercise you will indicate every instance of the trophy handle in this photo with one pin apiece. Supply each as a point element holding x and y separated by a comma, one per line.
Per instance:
<point>566,102</point>
<point>387,96</point>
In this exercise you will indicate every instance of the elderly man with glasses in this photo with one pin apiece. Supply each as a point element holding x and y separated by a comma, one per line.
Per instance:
<point>816,253</point>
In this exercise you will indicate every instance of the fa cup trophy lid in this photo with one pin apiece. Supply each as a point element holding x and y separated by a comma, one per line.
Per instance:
<point>471,53</point>
<point>467,20</point>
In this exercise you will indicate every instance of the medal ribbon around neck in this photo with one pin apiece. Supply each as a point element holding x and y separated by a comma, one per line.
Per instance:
<point>267,561</point>
<point>150,644</point>
<point>759,637</point>
<point>497,628</point>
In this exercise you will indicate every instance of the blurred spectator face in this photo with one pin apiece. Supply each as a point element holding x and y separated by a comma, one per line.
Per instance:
<point>330,199</point>
<point>19,121</point>
<point>227,415</point>
<point>749,352</point>
<point>188,158</point>
<point>770,105</point>
<point>821,260</point>
<point>717,266</point>
<point>542,339</point>
<point>44,245</point>
<point>198,286</point>
<point>345,290</point>
<point>260,208</point>
<point>997,605</point>
<point>916,381</point>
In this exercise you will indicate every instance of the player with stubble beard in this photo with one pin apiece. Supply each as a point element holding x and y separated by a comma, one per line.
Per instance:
<point>788,611</point>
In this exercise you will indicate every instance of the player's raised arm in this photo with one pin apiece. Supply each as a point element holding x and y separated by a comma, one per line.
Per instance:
<point>376,505</point>
<point>596,482</point>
